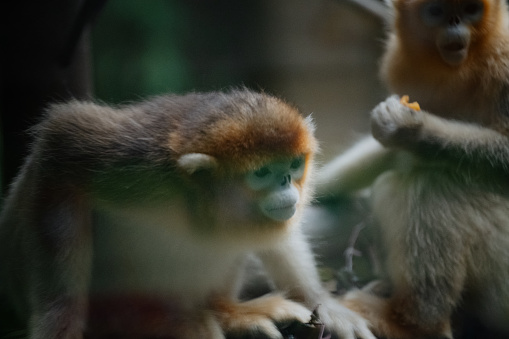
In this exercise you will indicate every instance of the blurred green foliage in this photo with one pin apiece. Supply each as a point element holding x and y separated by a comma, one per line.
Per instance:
<point>144,48</point>
<point>136,49</point>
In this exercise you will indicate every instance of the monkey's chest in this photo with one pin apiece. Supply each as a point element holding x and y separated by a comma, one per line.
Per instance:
<point>154,256</point>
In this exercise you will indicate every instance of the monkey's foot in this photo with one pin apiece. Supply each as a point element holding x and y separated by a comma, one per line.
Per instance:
<point>258,316</point>
<point>395,124</point>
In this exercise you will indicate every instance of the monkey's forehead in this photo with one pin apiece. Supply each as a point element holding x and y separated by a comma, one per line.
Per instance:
<point>244,150</point>
<point>246,133</point>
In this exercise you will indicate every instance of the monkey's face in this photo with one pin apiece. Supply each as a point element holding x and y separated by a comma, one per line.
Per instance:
<point>276,187</point>
<point>449,26</point>
<point>256,205</point>
<point>253,207</point>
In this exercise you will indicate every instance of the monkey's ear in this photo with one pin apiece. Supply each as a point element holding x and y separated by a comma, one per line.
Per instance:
<point>193,162</point>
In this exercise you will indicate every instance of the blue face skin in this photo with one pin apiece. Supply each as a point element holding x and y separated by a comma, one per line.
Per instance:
<point>452,22</point>
<point>276,181</point>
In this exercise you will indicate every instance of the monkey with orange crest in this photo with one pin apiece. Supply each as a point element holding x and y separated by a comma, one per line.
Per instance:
<point>439,172</point>
<point>135,221</point>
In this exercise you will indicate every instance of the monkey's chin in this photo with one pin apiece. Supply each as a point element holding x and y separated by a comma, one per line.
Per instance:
<point>280,213</point>
<point>454,57</point>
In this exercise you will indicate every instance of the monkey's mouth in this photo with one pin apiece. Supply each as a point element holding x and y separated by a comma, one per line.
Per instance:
<point>454,53</point>
<point>454,47</point>
<point>282,207</point>
<point>281,213</point>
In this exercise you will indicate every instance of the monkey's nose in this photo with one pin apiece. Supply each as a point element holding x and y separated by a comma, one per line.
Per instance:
<point>286,180</point>
<point>454,20</point>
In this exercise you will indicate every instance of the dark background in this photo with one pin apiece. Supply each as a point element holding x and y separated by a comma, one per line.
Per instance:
<point>320,55</point>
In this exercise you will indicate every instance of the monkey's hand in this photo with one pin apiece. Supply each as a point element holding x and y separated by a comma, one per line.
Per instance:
<point>258,315</point>
<point>343,322</point>
<point>394,124</point>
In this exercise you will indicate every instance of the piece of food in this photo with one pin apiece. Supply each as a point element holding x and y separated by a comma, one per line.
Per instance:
<point>413,105</point>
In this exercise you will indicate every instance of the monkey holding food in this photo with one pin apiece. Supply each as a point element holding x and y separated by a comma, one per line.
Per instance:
<point>163,200</point>
<point>440,171</point>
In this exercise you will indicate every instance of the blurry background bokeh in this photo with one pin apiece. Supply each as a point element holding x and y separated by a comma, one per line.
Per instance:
<point>321,55</point>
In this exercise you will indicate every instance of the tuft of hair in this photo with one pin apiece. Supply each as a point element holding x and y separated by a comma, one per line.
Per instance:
<point>243,129</point>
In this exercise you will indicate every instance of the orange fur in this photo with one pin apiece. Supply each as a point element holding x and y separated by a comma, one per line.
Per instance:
<point>249,316</point>
<point>440,88</point>
<point>242,140</point>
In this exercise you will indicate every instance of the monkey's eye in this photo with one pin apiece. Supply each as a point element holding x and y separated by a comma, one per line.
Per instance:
<point>297,163</point>
<point>472,11</point>
<point>433,13</point>
<point>297,167</point>
<point>260,178</point>
<point>262,172</point>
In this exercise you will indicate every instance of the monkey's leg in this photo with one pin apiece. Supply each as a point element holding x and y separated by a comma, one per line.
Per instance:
<point>257,315</point>
<point>60,264</point>
<point>418,215</point>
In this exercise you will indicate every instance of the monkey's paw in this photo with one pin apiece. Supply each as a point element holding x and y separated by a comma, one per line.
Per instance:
<point>343,322</point>
<point>395,124</point>
<point>259,316</point>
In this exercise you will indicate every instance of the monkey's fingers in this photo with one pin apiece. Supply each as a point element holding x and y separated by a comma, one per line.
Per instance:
<point>394,124</point>
<point>260,325</point>
<point>258,315</point>
<point>344,322</point>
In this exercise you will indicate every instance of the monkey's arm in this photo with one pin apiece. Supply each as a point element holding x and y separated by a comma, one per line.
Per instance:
<point>355,169</point>
<point>292,267</point>
<point>436,138</point>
